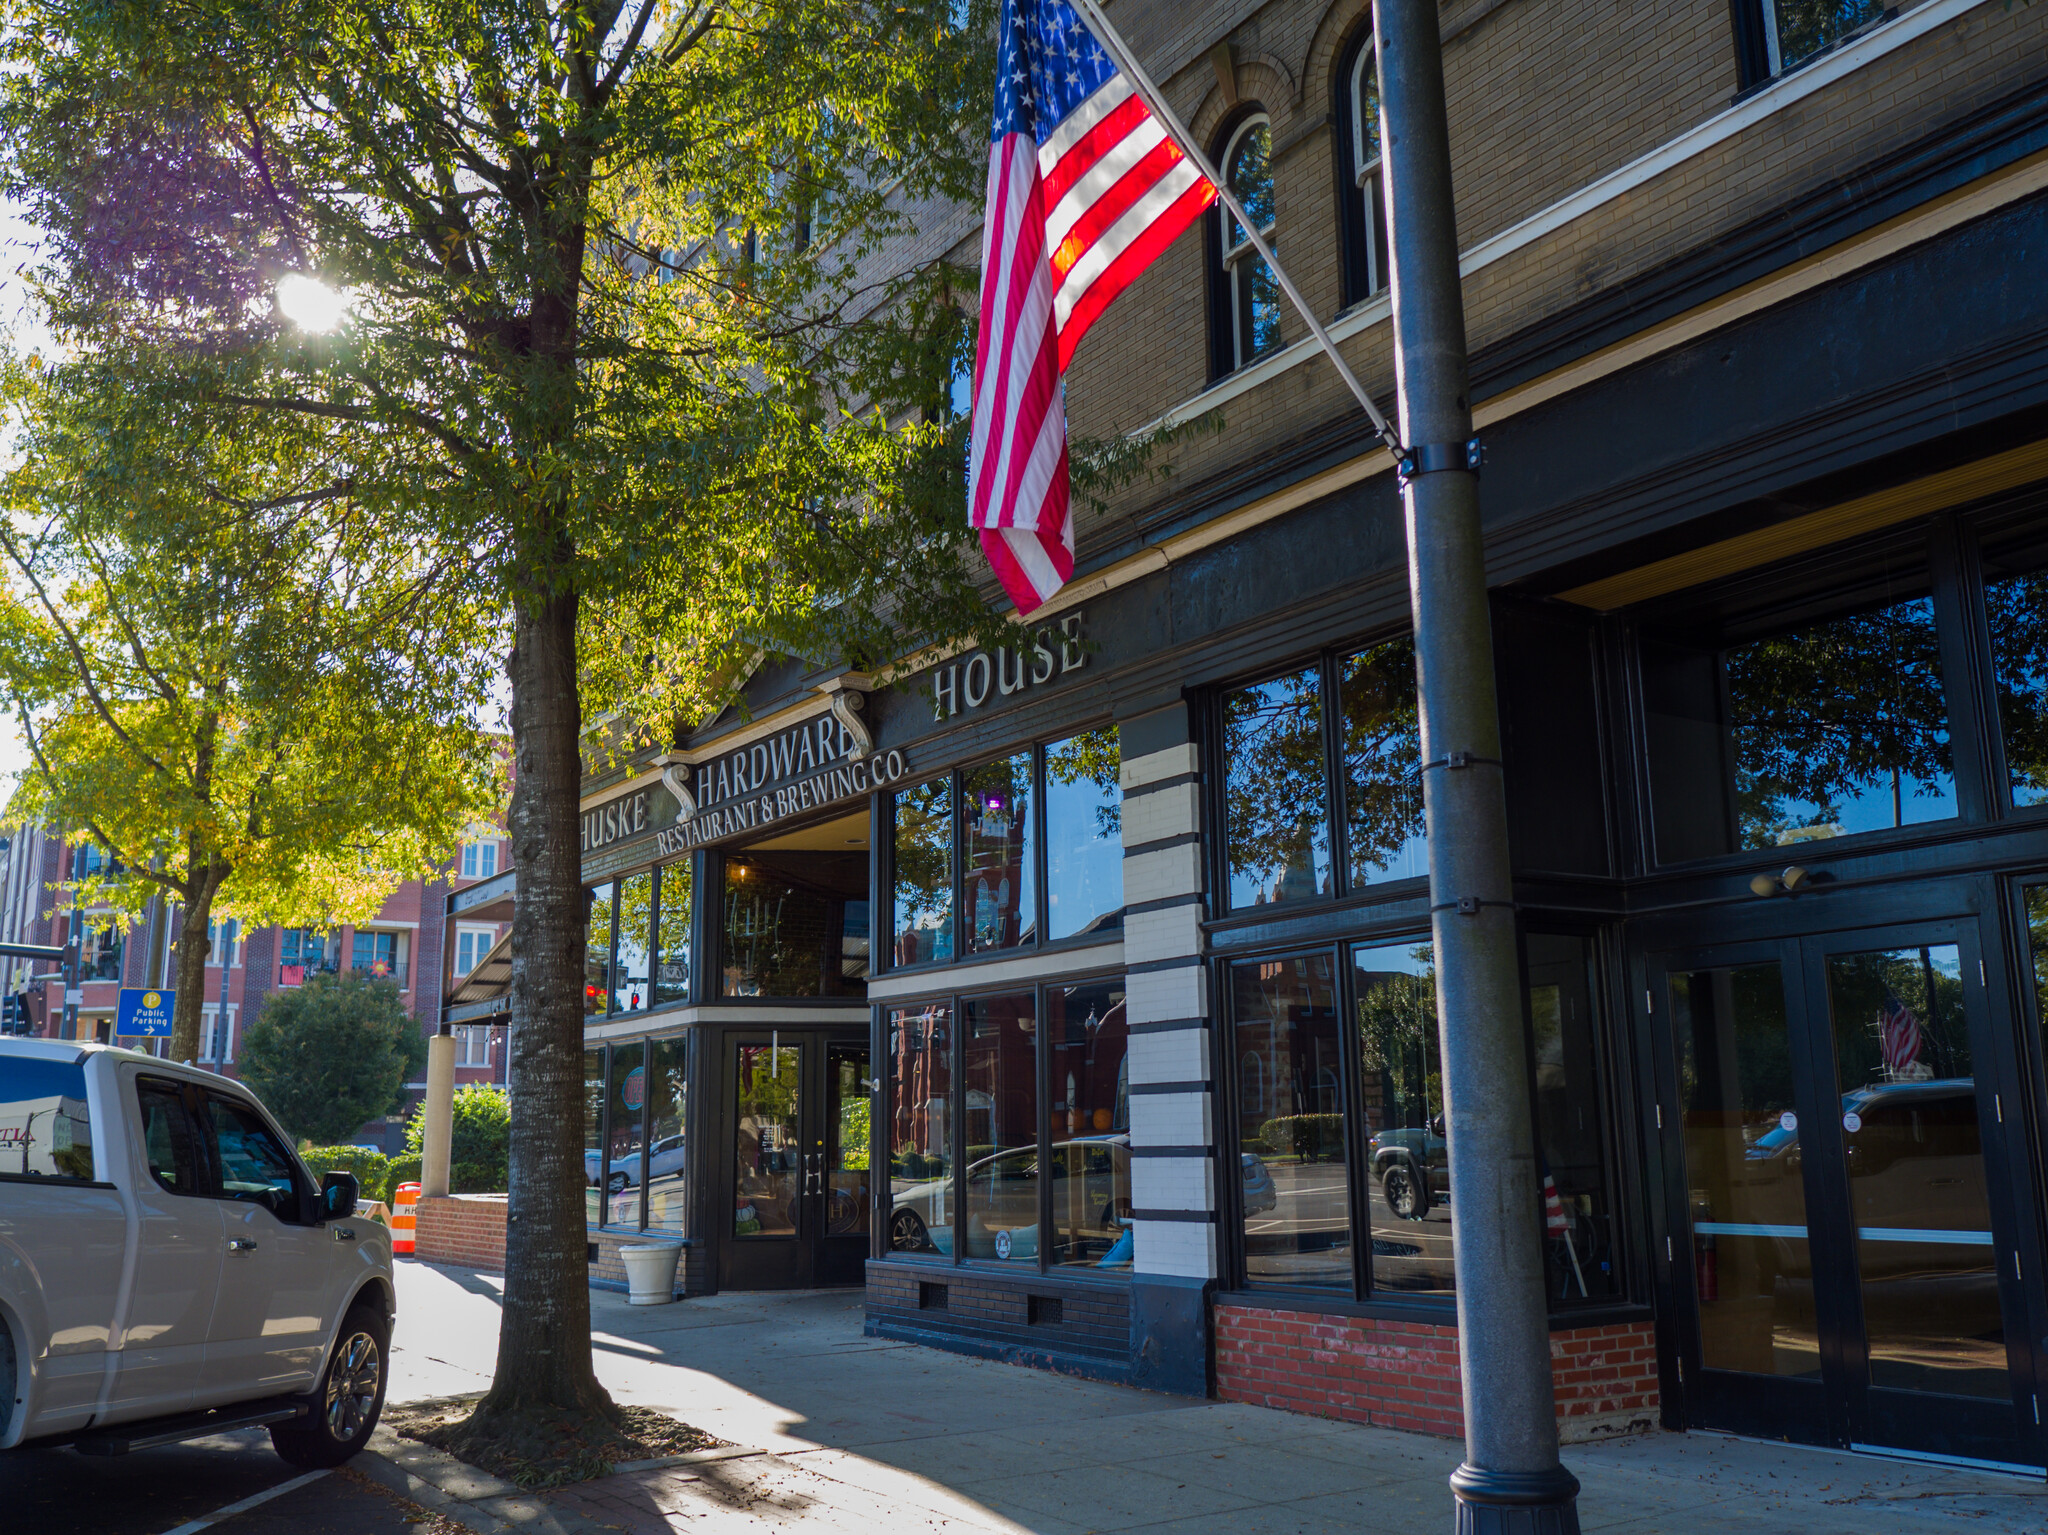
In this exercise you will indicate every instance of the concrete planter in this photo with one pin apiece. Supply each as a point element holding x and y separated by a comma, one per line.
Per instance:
<point>650,1271</point>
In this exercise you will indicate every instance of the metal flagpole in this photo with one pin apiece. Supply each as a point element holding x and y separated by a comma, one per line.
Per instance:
<point>1141,82</point>
<point>1510,1482</point>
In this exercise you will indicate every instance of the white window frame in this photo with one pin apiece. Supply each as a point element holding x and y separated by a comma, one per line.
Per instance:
<point>1234,254</point>
<point>481,939</point>
<point>1365,174</point>
<point>472,1045</point>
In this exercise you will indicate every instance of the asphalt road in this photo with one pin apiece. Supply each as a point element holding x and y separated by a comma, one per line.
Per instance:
<point>152,1492</point>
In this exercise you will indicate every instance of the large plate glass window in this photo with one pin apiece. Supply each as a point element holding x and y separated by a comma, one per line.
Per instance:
<point>1402,1077</point>
<point>1380,738</point>
<point>593,1137</point>
<point>597,952</point>
<point>921,1131</point>
<point>1089,1174</point>
<point>625,1133</point>
<point>767,1153</point>
<point>1571,1138</point>
<point>923,869</point>
<point>1773,724</point>
<point>672,943</point>
<point>2016,602</point>
<point>1287,1055</point>
<point>632,979</point>
<point>999,1071</point>
<point>997,854</point>
<point>668,1086</point>
<point>1276,791</point>
<point>1084,852</point>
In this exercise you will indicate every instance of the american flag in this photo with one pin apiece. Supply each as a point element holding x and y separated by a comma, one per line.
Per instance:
<point>1085,189</point>
<point>1898,1033</point>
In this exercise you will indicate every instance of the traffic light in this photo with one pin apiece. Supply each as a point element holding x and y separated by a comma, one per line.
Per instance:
<point>14,1014</point>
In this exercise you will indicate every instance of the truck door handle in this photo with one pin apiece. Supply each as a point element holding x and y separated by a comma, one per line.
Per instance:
<point>241,1245</point>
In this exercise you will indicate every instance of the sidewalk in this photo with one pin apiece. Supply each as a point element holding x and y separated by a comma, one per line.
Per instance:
<point>848,1433</point>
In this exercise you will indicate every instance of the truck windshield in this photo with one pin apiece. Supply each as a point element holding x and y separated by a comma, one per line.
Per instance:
<point>45,1131</point>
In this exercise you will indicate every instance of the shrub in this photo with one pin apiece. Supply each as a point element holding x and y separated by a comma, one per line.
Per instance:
<point>480,1147</point>
<point>405,1169</point>
<point>1310,1137</point>
<point>372,1168</point>
<point>333,1054</point>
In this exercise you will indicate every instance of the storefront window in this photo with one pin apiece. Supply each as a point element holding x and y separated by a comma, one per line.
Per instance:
<point>1087,1037</point>
<point>632,982</point>
<point>921,1131</point>
<point>1001,897</point>
<point>923,864</point>
<point>1578,1225</point>
<point>1287,1054</point>
<point>593,1136</point>
<point>2016,600</point>
<point>672,943</point>
<point>788,911</point>
<point>625,1133</point>
<point>668,1079</point>
<point>1084,853</point>
<point>1401,1072</point>
<point>1382,746</point>
<point>2037,934</point>
<point>999,1071</point>
<point>597,953</point>
<point>1763,734</point>
<point>1276,796</point>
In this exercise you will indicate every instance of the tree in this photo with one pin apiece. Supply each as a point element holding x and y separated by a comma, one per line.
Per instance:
<point>225,681</point>
<point>329,1055</point>
<point>608,280</point>
<point>479,1141</point>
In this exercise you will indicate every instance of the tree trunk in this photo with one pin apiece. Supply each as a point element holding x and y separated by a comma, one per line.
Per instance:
<point>188,980</point>
<point>544,1359</point>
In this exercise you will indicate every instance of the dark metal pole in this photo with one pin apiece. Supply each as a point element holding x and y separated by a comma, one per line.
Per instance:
<point>1511,1480</point>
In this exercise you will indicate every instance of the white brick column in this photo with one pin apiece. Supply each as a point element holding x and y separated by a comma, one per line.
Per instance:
<point>1173,1189</point>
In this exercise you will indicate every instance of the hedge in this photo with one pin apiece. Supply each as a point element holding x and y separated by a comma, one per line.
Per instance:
<point>372,1168</point>
<point>1311,1137</point>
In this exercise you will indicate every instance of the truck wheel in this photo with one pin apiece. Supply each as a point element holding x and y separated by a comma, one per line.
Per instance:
<point>1406,1195</point>
<point>342,1413</point>
<point>907,1233</point>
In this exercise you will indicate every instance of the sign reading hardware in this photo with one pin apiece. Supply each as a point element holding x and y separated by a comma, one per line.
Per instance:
<point>1054,651</point>
<point>817,763</point>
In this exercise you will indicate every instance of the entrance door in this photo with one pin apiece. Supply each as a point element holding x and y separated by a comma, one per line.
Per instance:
<point>1844,1232</point>
<point>800,1201</point>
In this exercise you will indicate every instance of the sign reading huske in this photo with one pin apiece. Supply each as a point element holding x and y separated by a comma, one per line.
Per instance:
<point>1054,651</point>
<point>817,763</point>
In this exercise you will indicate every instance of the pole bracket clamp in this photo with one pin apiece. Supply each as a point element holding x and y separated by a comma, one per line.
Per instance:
<point>1435,457</point>
<point>1468,905</point>
<point>1456,760</point>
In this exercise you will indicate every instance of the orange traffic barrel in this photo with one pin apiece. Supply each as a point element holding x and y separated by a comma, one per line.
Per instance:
<point>404,1219</point>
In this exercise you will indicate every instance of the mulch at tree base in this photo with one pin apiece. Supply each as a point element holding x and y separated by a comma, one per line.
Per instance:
<point>546,1449</point>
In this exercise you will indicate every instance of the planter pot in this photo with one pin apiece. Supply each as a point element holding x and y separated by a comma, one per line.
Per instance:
<point>651,1271</point>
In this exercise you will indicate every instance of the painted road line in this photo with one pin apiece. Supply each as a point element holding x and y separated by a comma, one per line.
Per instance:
<point>205,1521</point>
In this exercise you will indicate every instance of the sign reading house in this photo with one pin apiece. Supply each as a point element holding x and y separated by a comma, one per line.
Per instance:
<point>817,763</point>
<point>1054,651</point>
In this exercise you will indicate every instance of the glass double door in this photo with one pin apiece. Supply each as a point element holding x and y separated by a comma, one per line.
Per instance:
<point>797,1196</point>
<point>1848,1192</point>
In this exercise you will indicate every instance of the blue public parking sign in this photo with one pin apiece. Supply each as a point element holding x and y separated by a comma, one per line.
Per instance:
<point>145,1011</point>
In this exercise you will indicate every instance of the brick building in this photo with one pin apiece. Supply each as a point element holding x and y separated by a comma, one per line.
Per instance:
<point>1123,938</point>
<point>409,940</point>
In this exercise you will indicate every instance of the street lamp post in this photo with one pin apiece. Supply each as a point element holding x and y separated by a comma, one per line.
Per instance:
<point>1511,1482</point>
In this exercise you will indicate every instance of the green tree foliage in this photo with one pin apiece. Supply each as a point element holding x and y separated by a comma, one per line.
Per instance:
<point>329,1055</point>
<point>249,701</point>
<point>479,1143</point>
<point>615,276</point>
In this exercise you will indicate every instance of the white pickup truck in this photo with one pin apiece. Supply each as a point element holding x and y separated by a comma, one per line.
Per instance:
<point>168,1269</point>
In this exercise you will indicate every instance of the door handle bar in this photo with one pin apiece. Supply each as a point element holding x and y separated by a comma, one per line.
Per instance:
<point>241,1245</point>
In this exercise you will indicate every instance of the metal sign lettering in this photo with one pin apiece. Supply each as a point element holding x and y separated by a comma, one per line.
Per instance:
<point>729,816</point>
<point>1055,650</point>
<point>615,822</point>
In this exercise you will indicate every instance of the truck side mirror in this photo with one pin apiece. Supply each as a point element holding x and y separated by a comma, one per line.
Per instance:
<point>338,1194</point>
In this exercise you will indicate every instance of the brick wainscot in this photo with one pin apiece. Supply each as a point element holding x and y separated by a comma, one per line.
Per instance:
<point>468,1230</point>
<point>1401,1374</point>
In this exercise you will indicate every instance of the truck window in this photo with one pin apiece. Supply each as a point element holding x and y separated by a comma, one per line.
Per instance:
<point>167,1136</point>
<point>254,1165</point>
<point>45,1130</point>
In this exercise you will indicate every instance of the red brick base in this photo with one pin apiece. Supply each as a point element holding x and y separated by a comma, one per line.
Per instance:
<point>467,1230</point>
<point>1405,1374</point>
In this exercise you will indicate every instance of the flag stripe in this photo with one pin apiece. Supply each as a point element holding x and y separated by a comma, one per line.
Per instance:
<point>1117,259</point>
<point>1074,167</point>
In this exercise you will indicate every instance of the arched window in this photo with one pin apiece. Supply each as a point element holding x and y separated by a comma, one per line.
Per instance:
<point>1362,209</point>
<point>1246,297</point>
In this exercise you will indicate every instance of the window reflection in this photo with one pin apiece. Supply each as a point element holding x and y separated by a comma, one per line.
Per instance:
<point>1088,1034</point>
<point>2016,601</point>
<point>1830,727</point>
<point>1578,1223</point>
<point>1382,744</point>
<point>923,864</point>
<point>795,921</point>
<point>593,1137</point>
<point>1401,1075</point>
<point>1084,854</point>
<point>1296,1192</point>
<point>767,1160</point>
<point>1752,1259</point>
<point>999,1073</point>
<point>2037,938</point>
<point>625,1114</point>
<point>597,953</point>
<point>921,1131</point>
<point>668,1080</point>
<point>632,981</point>
<point>1276,799</point>
<point>1000,893</point>
<point>672,943</point>
<point>1795,30</point>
